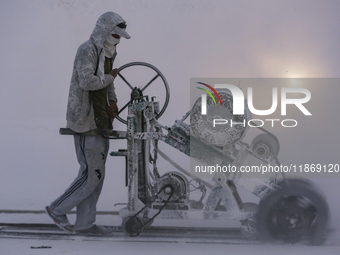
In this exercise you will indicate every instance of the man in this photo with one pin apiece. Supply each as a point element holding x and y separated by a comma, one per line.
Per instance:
<point>91,108</point>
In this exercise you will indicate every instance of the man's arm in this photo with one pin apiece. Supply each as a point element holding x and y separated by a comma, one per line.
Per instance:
<point>85,63</point>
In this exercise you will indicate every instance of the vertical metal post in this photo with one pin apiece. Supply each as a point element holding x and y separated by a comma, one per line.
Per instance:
<point>138,153</point>
<point>131,165</point>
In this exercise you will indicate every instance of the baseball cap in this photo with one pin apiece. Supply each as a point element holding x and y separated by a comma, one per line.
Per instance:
<point>120,30</point>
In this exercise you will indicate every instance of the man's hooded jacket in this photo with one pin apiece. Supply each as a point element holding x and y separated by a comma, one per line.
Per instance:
<point>85,77</point>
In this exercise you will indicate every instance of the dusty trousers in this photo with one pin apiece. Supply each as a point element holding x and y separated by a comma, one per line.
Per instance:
<point>84,191</point>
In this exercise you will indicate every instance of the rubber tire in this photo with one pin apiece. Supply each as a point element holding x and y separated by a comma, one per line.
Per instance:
<point>132,226</point>
<point>316,232</point>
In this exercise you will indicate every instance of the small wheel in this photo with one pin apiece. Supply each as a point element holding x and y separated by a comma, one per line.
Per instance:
<point>132,225</point>
<point>265,145</point>
<point>294,213</point>
<point>138,92</point>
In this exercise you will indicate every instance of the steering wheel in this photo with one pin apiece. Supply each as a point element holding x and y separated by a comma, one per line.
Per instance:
<point>137,93</point>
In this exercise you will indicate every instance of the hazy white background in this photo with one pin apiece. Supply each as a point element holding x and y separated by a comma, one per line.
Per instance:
<point>184,39</point>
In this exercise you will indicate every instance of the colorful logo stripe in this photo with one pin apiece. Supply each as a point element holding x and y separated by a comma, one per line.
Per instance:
<point>210,93</point>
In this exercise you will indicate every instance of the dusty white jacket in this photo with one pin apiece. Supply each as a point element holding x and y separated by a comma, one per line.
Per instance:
<point>80,115</point>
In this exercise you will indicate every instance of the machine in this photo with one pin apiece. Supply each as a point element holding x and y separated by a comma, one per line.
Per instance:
<point>290,210</point>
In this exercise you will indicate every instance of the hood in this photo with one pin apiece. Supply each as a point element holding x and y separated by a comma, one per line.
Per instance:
<point>105,24</point>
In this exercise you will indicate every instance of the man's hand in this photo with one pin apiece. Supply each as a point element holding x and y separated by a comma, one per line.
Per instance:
<point>114,72</point>
<point>112,109</point>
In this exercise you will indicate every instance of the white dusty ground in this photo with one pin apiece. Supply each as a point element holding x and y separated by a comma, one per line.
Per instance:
<point>12,246</point>
<point>15,246</point>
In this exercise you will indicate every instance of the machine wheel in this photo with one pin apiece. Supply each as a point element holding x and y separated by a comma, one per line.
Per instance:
<point>294,213</point>
<point>265,145</point>
<point>133,226</point>
<point>137,93</point>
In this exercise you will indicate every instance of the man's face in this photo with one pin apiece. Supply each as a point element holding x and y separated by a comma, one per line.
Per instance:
<point>116,37</point>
